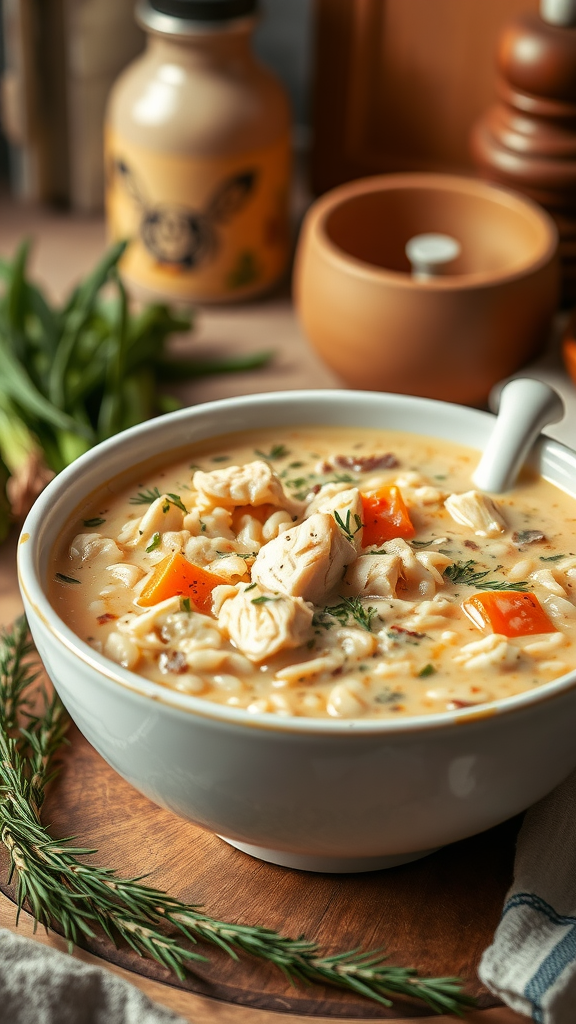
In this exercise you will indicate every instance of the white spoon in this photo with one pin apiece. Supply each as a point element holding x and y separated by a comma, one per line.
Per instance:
<point>526,405</point>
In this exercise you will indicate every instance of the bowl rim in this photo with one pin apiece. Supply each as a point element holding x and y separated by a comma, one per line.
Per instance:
<point>315,222</point>
<point>35,597</point>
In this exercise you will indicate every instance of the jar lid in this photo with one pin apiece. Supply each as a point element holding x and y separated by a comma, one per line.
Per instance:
<point>205,10</point>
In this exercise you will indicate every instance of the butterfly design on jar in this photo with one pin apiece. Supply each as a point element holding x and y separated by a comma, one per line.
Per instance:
<point>180,236</point>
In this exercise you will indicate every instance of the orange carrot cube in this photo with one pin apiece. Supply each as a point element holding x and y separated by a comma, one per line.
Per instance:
<point>508,612</point>
<point>385,516</point>
<point>176,576</point>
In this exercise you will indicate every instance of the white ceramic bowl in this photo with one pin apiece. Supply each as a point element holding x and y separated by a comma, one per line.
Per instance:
<point>322,795</point>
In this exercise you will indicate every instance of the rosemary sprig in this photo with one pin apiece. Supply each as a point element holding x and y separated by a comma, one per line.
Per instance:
<point>56,883</point>
<point>463,573</point>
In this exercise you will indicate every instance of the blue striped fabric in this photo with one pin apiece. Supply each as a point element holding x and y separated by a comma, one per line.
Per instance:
<point>559,957</point>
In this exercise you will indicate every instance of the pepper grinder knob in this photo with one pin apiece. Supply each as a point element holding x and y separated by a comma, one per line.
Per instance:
<point>431,255</point>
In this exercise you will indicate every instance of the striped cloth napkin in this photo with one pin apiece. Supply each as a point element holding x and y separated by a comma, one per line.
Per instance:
<point>531,964</point>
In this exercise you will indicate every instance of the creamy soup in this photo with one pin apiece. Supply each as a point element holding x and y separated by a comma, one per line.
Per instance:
<point>325,572</point>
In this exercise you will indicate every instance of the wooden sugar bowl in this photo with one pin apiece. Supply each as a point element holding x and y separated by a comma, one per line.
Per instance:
<point>445,330</point>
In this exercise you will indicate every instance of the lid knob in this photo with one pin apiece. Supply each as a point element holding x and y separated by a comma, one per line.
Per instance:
<point>431,254</point>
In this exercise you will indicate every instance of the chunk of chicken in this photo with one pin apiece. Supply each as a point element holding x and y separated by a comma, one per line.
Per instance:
<point>348,505</point>
<point>227,558</point>
<point>93,547</point>
<point>372,576</point>
<point>477,511</point>
<point>162,515</point>
<point>256,483</point>
<point>261,625</point>
<point>306,561</point>
<point>494,651</point>
<point>216,523</point>
<point>419,573</point>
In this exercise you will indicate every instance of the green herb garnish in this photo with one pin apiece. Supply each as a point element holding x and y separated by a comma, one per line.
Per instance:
<point>220,458</point>
<point>350,607</point>
<point>97,521</point>
<point>463,573</point>
<point>428,670</point>
<point>263,599</point>
<point>145,497</point>
<point>155,542</point>
<point>277,451</point>
<point>551,558</point>
<point>65,579</point>
<point>250,587</point>
<point>185,605</point>
<point>176,500</point>
<point>345,525</point>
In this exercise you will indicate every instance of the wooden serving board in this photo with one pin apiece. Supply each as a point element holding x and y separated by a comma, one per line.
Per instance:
<point>437,914</point>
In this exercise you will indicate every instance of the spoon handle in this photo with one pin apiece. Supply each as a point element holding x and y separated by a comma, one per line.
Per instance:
<point>526,405</point>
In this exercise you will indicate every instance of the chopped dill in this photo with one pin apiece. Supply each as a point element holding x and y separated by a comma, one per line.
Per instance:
<point>220,458</point>
<point>350,607</point>
<point>463,573</point>
<point>263,599</point>
<point>251,587</point>
<point>154,543</point>
<point>146,497</point>
<point>185,605</point>
<point>551,558</point>
<point>277,451</point>
<point>96,521</point>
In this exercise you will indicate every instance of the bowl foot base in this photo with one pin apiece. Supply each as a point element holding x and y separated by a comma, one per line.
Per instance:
<point>328,865</point>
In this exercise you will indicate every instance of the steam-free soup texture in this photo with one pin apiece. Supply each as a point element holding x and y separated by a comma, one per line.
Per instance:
<point>325,572</point>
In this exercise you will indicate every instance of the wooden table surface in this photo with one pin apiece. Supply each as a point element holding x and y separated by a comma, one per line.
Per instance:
<point>65,248</point>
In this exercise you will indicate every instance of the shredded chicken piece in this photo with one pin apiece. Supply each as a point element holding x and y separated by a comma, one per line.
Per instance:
<point>546,578</point>
<point>494,651</point>
<point>162,515</point>
<point>348,505</point>
<point>255,483</point>
<point>430,615</point>
<point>477,511</point>
<point>372,576</point>
<point>306,561</point>
<point>261,625</point>
<point>216,523</point>
<point>90,547</point>
<point>419,575</point>
<point>304,671</point>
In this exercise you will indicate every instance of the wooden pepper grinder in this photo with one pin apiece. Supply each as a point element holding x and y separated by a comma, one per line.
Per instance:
<point>527,140</point>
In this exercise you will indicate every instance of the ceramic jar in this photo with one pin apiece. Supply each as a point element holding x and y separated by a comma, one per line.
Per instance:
<point>198,156</point>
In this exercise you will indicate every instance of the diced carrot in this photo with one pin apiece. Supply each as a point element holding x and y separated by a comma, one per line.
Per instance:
<point>385,516</point>
<point>509,612</point>
<point>176,576</point>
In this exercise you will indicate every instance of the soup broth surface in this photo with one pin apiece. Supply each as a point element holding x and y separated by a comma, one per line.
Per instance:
<point>325,571</point>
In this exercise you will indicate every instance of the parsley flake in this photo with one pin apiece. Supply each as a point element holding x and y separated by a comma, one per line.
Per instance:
<point>96,521</point>
<point>154,543</point>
